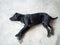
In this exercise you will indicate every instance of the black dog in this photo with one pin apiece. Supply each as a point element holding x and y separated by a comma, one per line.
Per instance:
<point>31,20</point>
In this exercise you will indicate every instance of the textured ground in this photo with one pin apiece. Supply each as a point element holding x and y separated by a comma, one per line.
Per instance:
<point>36,35</point>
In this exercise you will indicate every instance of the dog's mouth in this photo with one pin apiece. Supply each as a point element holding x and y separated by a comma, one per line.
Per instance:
<point>12,19</point>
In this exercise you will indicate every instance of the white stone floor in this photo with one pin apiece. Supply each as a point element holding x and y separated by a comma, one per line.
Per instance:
<point>37,35</point>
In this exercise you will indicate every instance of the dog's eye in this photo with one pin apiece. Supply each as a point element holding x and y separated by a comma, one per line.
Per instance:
<point>15,17</point>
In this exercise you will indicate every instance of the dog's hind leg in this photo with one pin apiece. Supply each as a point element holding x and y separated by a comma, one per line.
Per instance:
<point>52,30</point>
<point>48,30</point>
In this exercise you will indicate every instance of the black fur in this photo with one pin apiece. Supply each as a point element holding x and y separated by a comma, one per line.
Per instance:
<point>31,20</point>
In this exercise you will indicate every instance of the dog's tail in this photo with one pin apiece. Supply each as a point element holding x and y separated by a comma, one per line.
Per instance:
<point>54,18</point>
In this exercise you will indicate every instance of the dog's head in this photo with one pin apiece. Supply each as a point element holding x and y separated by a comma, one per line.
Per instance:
<point>16,17</point>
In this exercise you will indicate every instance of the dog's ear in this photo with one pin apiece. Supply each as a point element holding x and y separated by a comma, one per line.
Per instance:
<point>16,13</point>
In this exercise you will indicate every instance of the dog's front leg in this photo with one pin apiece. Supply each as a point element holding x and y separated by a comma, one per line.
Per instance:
<point>22,32</point>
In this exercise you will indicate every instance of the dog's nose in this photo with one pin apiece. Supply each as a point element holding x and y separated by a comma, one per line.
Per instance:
<point>11,19</point>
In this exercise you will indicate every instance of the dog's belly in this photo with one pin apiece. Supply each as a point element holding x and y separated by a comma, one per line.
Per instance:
<point>36,21</point>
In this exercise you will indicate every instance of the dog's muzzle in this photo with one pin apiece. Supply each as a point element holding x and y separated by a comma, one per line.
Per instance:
<point>12,19</point>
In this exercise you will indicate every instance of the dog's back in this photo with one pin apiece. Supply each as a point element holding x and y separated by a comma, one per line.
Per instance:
<point>36,18</point>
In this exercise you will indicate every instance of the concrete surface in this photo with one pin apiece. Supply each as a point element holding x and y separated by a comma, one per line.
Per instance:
<point>37,35</point>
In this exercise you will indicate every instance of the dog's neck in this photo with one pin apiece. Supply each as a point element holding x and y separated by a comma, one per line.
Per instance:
<point>22,18</point>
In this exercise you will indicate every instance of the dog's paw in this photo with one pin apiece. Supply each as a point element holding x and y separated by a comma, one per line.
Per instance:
<point>20,40</point>
<point>52,33</point>
<point>19,37</point>
<point>49,35</point>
